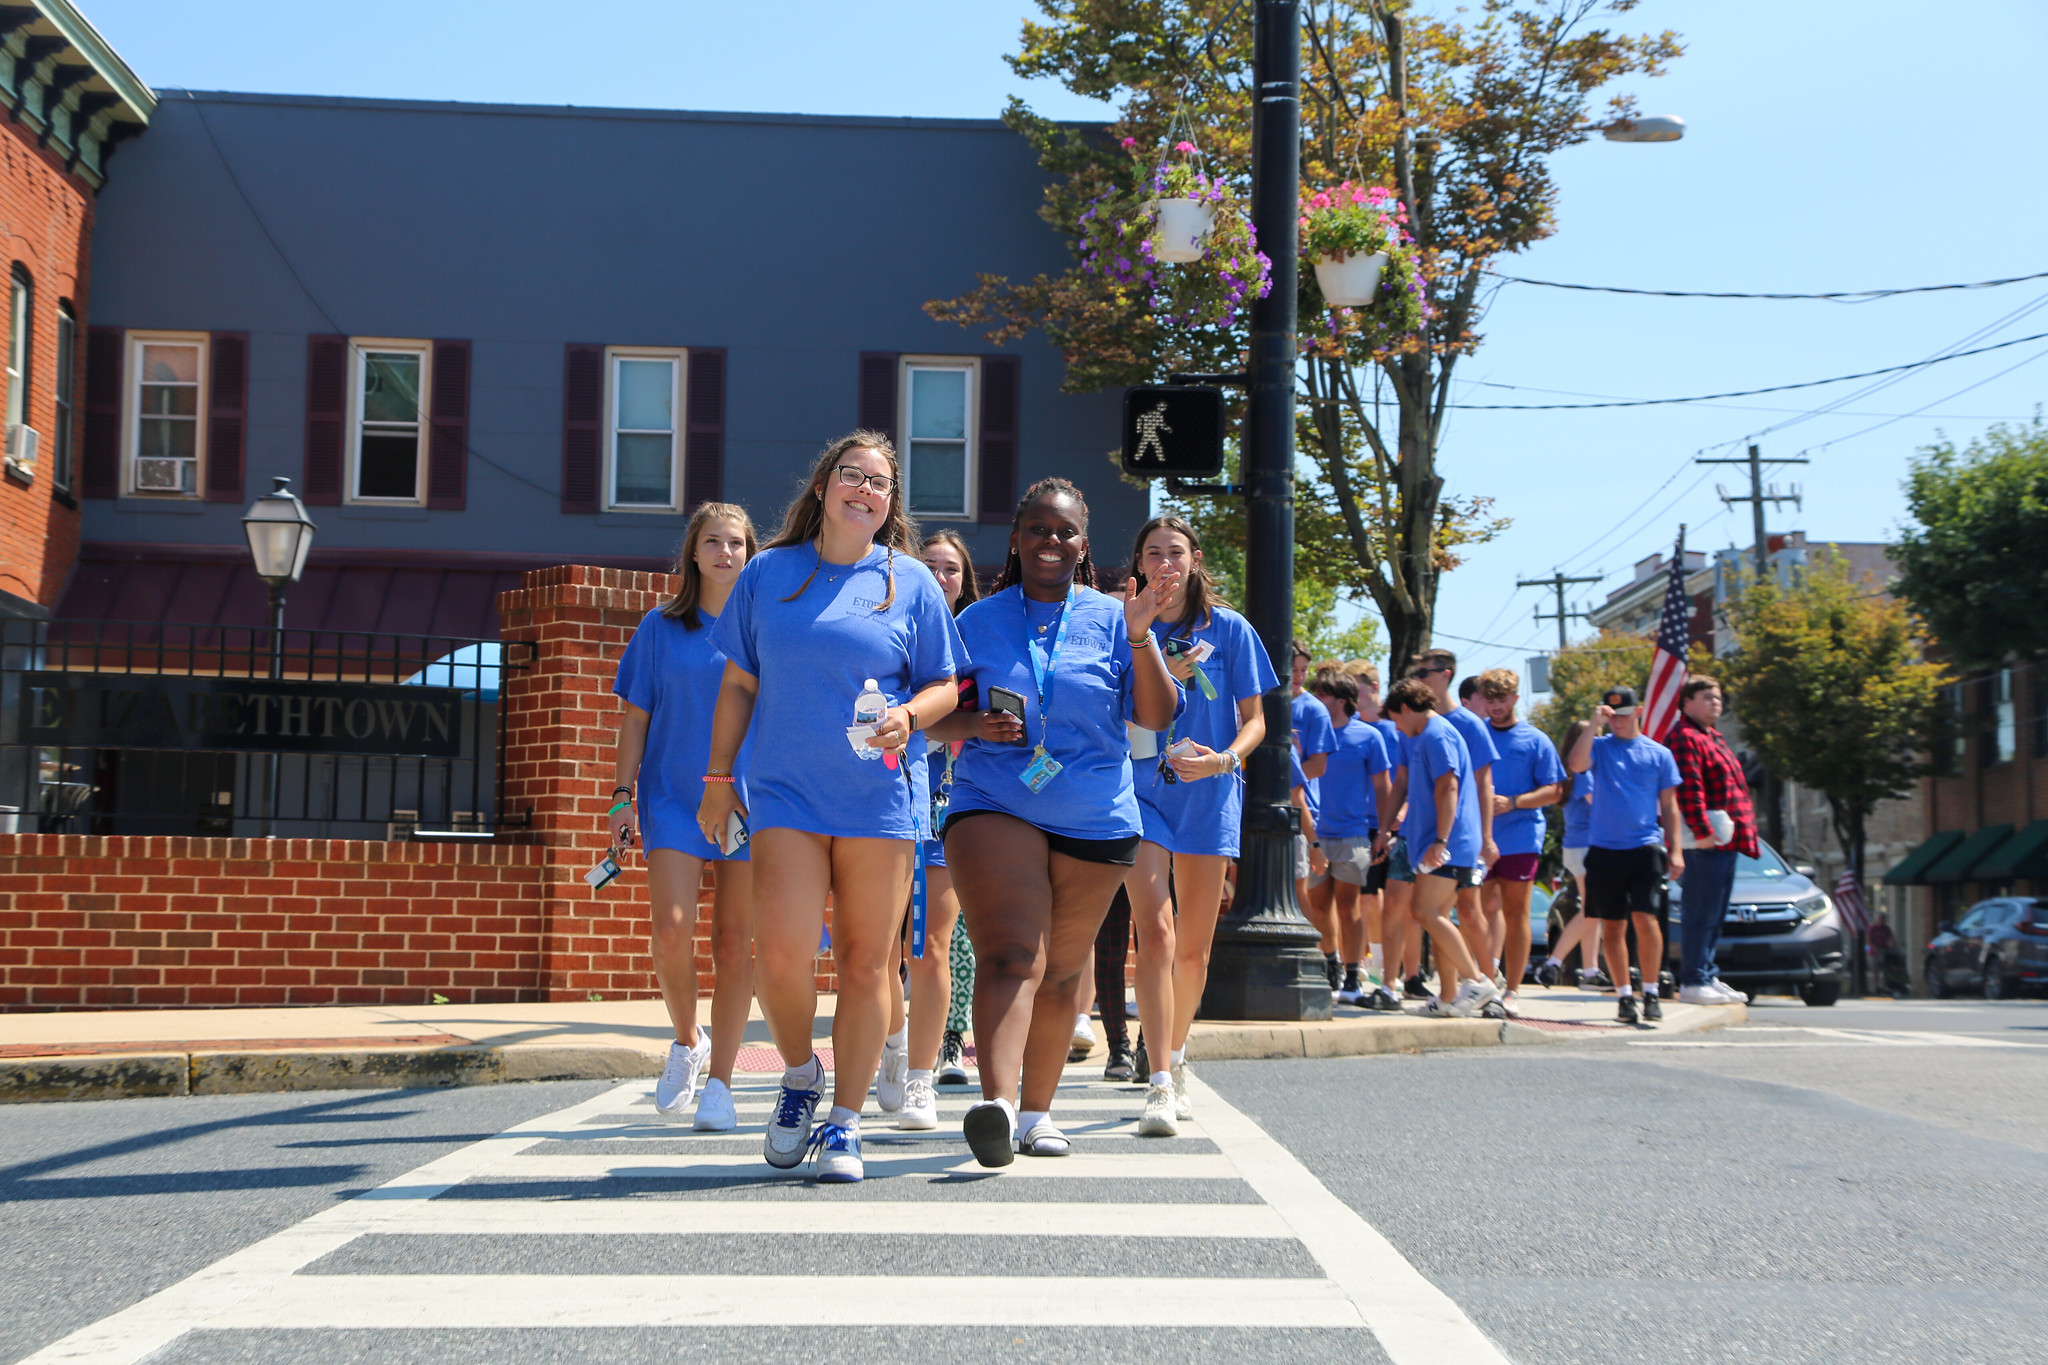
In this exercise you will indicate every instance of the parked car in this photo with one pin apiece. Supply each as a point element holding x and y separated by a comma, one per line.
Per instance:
<point>1781,931</point>
<point>1999,948</point>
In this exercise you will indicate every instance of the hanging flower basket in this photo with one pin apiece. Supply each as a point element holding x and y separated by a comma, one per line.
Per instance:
<point>1367,270</point>
<point>1181,242</point>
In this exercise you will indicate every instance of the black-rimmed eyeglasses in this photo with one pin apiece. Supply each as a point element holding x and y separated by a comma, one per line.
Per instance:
<point>853,477</point>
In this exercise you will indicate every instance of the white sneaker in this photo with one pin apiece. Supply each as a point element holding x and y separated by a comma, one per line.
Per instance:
<point>1083,1042</point>
<point>1472,997</point>
<point>890,1080</point>
<point>1701,995</point>
<point>1158,1119</point>
<point>715,1113</point>
<point>920,1107</point>
<point>1730,996</point>
<point>1183,1107</point>
<point>789,1132</point>
<point>1435,1008</point>
<point>678,1083</point>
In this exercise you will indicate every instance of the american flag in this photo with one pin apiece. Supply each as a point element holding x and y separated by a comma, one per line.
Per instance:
<point>1667,670</point>
<point>1849,904</point>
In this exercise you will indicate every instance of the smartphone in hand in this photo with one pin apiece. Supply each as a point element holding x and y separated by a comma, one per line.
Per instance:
<point>1010,703</point>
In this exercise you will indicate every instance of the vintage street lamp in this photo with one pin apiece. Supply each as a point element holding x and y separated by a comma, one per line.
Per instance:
<point>280,537</point>
<point>1648,128</point>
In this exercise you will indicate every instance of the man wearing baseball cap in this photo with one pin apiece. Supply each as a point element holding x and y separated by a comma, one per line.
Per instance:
<point>1634,830</point>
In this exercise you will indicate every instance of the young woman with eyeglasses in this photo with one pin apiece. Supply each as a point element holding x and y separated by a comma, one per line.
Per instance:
<point>836,599</point>
<point>1193,804</point>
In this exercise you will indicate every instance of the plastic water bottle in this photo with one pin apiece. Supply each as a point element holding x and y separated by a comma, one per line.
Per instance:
<point>868,709</point>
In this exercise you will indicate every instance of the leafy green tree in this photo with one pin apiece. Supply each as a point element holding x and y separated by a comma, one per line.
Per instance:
<point>1581,673</point>
<point>1828,679</point>
<point>1458,112</point>
<point>1975,563</point>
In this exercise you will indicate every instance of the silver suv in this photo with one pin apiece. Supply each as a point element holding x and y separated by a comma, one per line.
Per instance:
<point>1782,931</point>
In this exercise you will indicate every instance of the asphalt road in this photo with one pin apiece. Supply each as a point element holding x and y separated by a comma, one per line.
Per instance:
<point>1861,1183</point>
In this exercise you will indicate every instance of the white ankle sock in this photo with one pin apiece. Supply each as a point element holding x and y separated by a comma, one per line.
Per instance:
<point>809,1076</point>
<point>849,1119</point>
<point>917,1075</point>
<point>1179,1055</point>
<point>1164,1078</point>
<point>898,1040</point>
<point>1030,1119</point>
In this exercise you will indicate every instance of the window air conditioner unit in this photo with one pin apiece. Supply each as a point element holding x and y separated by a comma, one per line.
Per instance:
<point>22,441</point>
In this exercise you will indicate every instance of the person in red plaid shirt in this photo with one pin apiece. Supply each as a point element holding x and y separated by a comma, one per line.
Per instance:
<point>1721,822</point>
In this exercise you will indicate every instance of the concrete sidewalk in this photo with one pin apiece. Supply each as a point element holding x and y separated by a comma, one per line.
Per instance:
<point>124,1053</point>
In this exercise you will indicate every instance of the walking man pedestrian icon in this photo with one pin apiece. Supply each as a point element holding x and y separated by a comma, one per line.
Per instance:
<point>1149,427</point>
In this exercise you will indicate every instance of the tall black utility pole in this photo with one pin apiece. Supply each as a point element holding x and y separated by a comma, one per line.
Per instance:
<point>1558,582</point>
<point>1265,964</point>
<point>1758,496</point>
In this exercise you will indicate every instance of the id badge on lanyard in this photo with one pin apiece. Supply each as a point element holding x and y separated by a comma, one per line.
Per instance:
<point>1043,767</point>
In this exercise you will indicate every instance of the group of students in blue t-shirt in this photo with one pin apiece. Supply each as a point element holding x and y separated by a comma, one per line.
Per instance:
<point>993,780</point>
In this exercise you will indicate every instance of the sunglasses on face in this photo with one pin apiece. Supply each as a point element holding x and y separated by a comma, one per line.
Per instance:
<point>853,477</point>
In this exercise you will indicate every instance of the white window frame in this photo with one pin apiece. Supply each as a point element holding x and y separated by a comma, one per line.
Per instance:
<point>681,359</point>
<point>358,352</point>
<point>970,491</point>
<point>131,411</point>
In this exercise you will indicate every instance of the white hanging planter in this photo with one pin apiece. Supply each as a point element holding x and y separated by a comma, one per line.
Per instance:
<point>1183,230</point>
<point>1350,281</point>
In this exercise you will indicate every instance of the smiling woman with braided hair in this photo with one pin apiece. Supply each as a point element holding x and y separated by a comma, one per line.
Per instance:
<point>1044,818</point>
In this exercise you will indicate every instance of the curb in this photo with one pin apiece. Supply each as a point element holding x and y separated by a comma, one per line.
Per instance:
<point>134,1075</point>
<point>131,1075</point>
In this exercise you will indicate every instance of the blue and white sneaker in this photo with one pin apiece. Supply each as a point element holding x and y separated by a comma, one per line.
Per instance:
<point>789,1132</point>
<point>836,1150</point>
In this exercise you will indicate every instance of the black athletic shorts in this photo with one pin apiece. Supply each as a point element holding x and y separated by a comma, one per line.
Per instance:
<point>1376,873</point>
<point>1623,881</point>
<point>1115,852</point>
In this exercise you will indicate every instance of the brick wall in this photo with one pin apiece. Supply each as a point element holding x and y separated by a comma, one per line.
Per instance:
<point>135,922</point>
<point>46,221</point>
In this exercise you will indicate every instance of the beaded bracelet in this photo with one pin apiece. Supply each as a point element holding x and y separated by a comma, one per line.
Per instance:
<point>718,777</point>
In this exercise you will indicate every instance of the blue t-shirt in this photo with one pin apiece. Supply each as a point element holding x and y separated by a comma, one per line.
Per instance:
<point>1628,775</point>
<point>1350,805</point>
<point>1431,754</point>
<point>1089,697</point>
<point>1578,812</point>
<point>1526,760</point>
<point>812,654</point>
<point>672,673</point>
<point>1206,816</point>
<point>1313,734</point>
<point>1477,734</point>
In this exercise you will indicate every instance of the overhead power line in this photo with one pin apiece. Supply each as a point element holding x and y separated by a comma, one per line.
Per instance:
<point>1839,296</point>
<point>1746,393</point>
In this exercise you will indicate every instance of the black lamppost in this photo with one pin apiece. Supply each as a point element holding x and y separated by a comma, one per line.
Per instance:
<point>280,537</point>
<point>1266,964</point>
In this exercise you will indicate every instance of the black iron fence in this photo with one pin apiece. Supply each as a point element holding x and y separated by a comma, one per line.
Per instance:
<point>151,728</point>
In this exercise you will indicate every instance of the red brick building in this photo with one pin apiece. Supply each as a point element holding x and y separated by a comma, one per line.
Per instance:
<point>71,101</point>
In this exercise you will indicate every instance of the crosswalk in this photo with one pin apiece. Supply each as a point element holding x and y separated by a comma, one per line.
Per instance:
<point>602,1218</point>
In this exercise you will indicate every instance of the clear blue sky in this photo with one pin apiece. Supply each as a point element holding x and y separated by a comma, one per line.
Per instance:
<point>1831,146</point>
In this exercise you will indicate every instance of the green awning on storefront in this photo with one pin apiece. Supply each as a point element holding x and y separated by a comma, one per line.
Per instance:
<point>1959,864</point>
<point>1911,870</point>
<point>2023,855</point>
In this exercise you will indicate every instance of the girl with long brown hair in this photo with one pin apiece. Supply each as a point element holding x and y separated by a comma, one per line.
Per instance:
<point>668,679</point>
<point>1193,804</point>
<point>836,605</point>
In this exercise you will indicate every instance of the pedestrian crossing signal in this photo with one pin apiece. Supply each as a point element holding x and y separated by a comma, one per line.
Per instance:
<point>1173,431</point>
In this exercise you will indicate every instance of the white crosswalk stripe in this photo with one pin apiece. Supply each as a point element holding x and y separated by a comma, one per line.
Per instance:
<point>1232,1232</point>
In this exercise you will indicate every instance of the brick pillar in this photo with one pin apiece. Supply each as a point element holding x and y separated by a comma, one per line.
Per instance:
<point>561,727</point>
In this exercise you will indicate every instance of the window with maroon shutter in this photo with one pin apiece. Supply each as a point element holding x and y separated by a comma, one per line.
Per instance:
<point>448,430</point>
<point>704,434</point>
<point>1000,404</point>
<point>878,392</point>
<point>227,414</point>
<point>582,426</point>
<point>99,467</point>
<point>326,418</point>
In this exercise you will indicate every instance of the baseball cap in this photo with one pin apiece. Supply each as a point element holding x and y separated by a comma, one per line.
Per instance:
<point>1621,700</point>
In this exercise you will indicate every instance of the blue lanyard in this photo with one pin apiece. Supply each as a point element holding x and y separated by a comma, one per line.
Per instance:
<point>1041,669</point>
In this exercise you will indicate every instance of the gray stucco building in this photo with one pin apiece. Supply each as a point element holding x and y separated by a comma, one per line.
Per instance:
<point>480,338</point>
